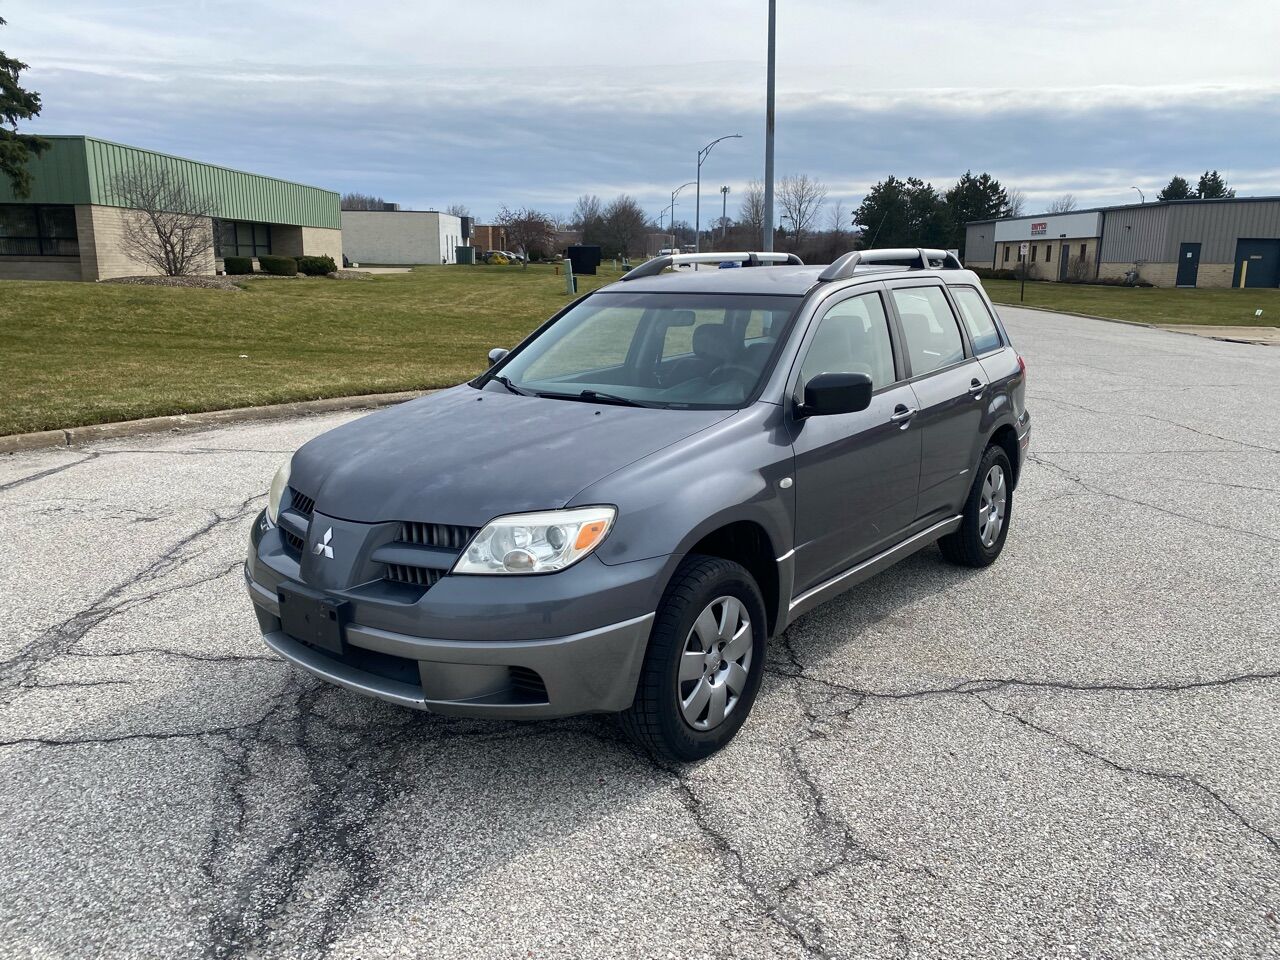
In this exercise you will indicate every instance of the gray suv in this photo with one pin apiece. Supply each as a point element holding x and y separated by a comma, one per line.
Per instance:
<point>619,513</point>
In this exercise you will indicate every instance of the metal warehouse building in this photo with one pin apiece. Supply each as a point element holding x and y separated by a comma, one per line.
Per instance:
<point>403,236</point>
<point>1183,243</point>
<point>70,228</point>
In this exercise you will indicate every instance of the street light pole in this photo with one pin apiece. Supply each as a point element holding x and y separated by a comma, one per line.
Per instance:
<point>675,193</point>
<point>724,214</point>
<point>697,215</point>
<point>1142,195</point>
<point>768,130</point>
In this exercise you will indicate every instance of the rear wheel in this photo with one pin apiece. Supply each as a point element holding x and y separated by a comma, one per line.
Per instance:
<point>985,522</point>
<point>704,663</point>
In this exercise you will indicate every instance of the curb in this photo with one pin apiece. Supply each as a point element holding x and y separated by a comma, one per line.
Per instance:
<point>74,436</point>
<point>1135,323</point>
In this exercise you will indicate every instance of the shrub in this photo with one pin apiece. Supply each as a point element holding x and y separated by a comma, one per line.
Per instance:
<point>279,266</point>
<point>499,260</point>
<point>986,273</point>
<point>237,266</point>
<point>316,266</point>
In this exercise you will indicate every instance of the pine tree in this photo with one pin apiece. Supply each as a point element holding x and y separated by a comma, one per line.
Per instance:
<point>17,104</point>
<point>1178,189</point>
<point>1213,187</point>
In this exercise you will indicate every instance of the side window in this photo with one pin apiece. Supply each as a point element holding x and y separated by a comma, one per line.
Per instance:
<point>977,319</point>
<point>932,337</point>
<point>852,337</point>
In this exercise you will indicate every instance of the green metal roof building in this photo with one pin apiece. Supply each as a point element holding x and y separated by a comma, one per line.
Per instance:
<point>72,225</point>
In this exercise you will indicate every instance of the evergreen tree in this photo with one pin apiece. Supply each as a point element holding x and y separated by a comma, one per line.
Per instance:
<point>1178,189</point>
<point>17,104</point>
<point>1213,187</point>
<point>974,198</point>
<point>904,213</point>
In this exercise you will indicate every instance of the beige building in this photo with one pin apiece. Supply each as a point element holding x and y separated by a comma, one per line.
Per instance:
<point>72,225</point>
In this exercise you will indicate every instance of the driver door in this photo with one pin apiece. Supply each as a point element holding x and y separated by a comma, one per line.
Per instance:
<point>857,474</point>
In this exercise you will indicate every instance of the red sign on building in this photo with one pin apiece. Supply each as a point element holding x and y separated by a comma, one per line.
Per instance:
<point>1038,229</point>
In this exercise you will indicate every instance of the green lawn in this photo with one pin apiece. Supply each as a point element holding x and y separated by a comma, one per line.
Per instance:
<point>1148,304</point>
<point>81,353</point>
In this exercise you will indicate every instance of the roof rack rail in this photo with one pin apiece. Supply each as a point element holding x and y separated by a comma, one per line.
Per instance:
<point>913,258</point>
<point>655,266</point>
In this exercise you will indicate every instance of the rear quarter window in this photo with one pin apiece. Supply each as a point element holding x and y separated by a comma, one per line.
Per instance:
<point>977,319</point>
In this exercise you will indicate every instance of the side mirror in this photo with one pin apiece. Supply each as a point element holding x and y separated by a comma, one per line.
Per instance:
<point>496,354</point>
<point>832,393</point>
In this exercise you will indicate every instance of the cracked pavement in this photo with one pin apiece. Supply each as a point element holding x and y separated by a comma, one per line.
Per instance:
<point>1075,752</point>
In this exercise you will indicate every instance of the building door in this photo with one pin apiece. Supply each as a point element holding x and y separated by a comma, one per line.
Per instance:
<point>1064,260</point>
<point>1257,263</point>
<point>1188,264</point>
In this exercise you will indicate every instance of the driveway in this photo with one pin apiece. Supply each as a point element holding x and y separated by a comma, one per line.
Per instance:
<point>1075,752</point>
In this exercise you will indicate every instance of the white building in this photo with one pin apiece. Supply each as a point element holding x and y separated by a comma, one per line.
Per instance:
<point>401,236</point>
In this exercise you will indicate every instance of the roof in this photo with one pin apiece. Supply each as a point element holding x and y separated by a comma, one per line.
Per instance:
<point>1125,206</point>
<point>781,281</point>
<point>82,170</point>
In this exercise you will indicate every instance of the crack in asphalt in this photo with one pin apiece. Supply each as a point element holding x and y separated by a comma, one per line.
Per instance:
<point>1111,414</point>
<point>52,471</point>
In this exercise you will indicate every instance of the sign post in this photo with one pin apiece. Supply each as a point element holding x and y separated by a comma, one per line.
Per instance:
<point>1022,264</point>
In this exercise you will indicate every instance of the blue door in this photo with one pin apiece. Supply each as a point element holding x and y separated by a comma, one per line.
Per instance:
<point>1188,264</point>
<point>1257,263</point>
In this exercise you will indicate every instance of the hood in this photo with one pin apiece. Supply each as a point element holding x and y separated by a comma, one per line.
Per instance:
<point>464,456</point>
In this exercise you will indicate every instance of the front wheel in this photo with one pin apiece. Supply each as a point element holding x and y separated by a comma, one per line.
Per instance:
<point>985,522</point>
<point>704,663</point>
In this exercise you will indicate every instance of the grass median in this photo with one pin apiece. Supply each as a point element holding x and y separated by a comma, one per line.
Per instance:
<point>1156,305</point>
<point>73,354</point>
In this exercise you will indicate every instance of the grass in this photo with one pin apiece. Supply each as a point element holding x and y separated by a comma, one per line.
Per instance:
<point>1210,307</point>
<point>79,353</point>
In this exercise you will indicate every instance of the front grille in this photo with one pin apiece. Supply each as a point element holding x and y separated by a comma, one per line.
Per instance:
<point>301,502</point>
<point>292,541</point>
<point>527,685</point>
<point>415,576</point>
<point>447,535</point>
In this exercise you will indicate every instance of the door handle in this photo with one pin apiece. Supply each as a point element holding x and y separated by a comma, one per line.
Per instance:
<point>903,414</point>
<point>976,387</point>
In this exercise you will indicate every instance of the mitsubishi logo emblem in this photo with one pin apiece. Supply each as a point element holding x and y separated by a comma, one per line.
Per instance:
<point>322,547</point>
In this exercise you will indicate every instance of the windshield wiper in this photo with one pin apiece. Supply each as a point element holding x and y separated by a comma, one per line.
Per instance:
<point>595,396</point>
<point>506,382</point>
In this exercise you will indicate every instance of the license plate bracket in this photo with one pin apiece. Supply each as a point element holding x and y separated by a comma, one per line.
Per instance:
<point>313,617</point>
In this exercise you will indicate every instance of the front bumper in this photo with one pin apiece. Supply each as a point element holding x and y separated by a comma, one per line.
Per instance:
<point>541,646</point>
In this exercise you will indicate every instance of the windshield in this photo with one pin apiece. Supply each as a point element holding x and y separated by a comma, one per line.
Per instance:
<point>654,349</point>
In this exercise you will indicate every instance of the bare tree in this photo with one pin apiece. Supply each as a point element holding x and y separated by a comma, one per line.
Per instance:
<point>1063,204</point>
<point>838,219</point>
<point>751,213</point>
<point>800,198</point>
<point>361,201</point>
<point>527,230</point>
<point>1016,203</point>
<point>166,223</point>
<point>457,210</point>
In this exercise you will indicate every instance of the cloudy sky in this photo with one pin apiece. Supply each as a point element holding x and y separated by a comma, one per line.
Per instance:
<point>509,101</point>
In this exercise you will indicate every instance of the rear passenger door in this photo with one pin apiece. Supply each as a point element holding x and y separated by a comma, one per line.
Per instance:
<point>949,385</point>
<point>856,473</point>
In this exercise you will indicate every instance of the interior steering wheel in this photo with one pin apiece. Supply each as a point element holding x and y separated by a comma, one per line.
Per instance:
<point>725,370</point>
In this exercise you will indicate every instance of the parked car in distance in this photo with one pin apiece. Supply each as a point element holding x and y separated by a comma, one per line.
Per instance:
<point>623,510</point>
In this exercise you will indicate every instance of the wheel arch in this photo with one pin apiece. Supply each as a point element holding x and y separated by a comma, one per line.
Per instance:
<point>1005,436</point>
<point>747,542</point>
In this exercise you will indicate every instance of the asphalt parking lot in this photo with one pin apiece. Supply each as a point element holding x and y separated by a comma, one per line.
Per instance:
<point>1075,752</point>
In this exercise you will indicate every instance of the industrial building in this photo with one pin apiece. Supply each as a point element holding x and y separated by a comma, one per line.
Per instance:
<point>403,236</point>
<point>71,227</point>
<point>1171,243</point>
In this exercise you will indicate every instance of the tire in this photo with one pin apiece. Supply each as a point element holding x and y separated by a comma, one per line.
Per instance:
<point>972,544</point>
<point>659,718</point>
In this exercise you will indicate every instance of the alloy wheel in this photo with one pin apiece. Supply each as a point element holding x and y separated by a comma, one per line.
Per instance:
<point>992,506</point>
<point>715,663</point>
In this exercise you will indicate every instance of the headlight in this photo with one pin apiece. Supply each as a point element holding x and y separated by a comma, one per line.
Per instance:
<point>536,542</point>
<point>279,484</point>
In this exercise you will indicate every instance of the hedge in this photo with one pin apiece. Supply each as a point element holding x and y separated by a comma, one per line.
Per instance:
<point>316,266</point>
<point>237,266</point>
<point>279,266</point>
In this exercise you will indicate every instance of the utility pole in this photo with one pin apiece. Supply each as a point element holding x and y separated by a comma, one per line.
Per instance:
<point>724,214</point>
<point>675,193</point>
<point>768,130</point>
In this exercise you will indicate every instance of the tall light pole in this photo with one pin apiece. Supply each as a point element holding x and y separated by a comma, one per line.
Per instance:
<point>697,206</point>
<point>1142,195</point>
<point>768,130</point>
<point>724,214</point>
<point>675,193</point>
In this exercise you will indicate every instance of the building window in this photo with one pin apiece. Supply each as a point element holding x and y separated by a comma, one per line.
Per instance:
<point>1006,253</point>
<point>1048,252</point>
<point>35,230</point>
<point>240,238</point>
<point>1083,248</point>
<point>1034,248</point>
